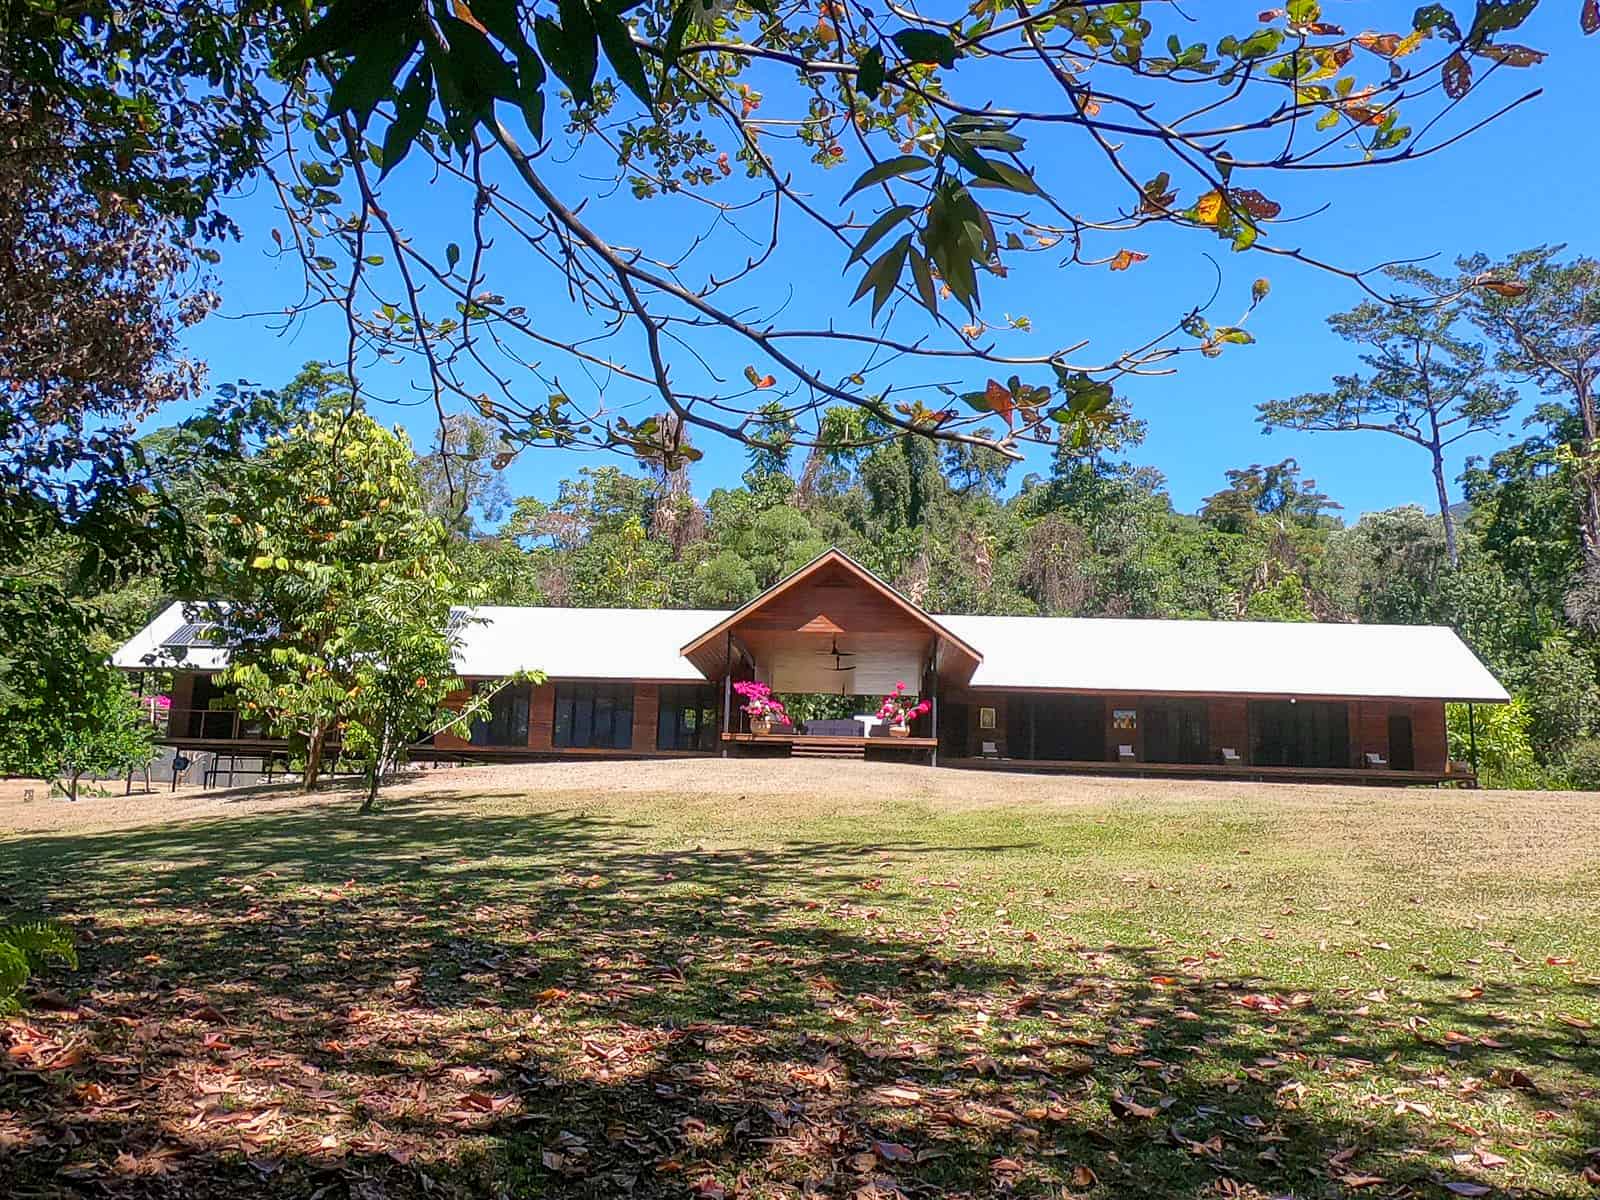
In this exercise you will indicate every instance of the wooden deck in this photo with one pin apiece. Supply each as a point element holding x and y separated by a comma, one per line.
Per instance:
<point>1383,776</point>
<point>803,739</point>
<point>802,745</point>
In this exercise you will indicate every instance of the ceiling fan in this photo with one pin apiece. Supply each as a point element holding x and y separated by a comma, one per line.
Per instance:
<point>838,656</point>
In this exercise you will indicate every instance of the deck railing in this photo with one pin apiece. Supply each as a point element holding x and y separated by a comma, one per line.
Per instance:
<point>209,724</point>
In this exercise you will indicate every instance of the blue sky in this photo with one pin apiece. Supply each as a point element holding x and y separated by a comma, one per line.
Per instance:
<point>1525,180</point>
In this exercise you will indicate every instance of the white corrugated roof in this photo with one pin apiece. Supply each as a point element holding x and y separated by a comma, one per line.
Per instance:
<point>151,647</point>
<point>1085,654</point>
<point>1260,658</point>
<point>584,643</point>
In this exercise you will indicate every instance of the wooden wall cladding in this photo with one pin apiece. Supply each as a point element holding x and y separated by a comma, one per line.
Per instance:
<point>1229,724</point>
<point>646,705</point>
<point>542,717</point>
<point>1429,736</point>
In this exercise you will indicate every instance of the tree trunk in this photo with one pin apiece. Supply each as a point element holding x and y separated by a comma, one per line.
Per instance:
<point>1589,480</point>
<point>374,777</point>
<point>1450,550</point>
<point>72,786</point>
<point>308,781</point>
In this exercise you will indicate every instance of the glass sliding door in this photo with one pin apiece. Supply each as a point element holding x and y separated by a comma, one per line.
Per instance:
<point>1304,733</point>
<point>1056,728</point>
<point>689,717</point>
<point>506,721</point>
<point>593,716</point>
<point>1176,731</point>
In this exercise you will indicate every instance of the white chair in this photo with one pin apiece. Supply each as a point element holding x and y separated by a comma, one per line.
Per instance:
<point>1376,760</point>
<point>1125,754</point>
<point>989,750</point>
<point>1230,757</point>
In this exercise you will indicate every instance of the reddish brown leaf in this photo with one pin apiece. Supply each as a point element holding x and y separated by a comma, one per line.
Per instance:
<point>1130,1109</point>
<point>1457,74</point>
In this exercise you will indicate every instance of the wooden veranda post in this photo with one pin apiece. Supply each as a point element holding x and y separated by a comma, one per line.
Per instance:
<point>1472,739</point>
<point>727,696</point>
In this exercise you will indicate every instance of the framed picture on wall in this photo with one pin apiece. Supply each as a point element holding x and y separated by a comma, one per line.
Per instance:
<point>1125,720</point>
<point>986,718</point>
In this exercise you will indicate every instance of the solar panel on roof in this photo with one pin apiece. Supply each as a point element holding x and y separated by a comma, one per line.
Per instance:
<point>193,633</point>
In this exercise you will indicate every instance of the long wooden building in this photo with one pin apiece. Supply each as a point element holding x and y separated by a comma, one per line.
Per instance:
<point>1216,698</point>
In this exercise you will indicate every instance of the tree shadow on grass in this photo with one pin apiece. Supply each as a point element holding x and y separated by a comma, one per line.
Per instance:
<point>306,1004</point>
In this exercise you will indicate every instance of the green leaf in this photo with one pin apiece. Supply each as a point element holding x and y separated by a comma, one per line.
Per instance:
<point>622,54</point>
<point>503,19</point>
<point>530,92</point>
<point>995,139</point>
<point>477,73</point>
<point>261,562</point>
<point>890,168</point>
<point>924,280</point>
<point>926,46</point>
<point>1436,18</point>
<point>571,48</point>
<point>1009,177</point>
<point>956,146</point>
<point>675,33</point>
<point>411,113</point>
<point>1261,43</point>
<point>883,275</point>
<point>380,52</point>
<point>344,24</point>
<point>878,228</point>
<point>452,255</point>
<point>869,75</point>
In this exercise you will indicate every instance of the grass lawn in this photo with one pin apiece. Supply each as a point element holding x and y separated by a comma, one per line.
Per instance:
<point>781,979</point>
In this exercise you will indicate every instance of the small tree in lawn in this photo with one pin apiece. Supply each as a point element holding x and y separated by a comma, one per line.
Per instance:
<point>110,735</point>
<point>1427,384</point>
<point>332,567</point>
<point>401,645</point>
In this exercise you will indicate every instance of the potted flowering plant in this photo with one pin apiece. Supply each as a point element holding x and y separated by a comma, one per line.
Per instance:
<point>899,712</point>
<point>760,705</point>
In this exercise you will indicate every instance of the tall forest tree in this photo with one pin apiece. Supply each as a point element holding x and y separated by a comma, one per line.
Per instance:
<point>1543,317</point>
<point>1425,384</point>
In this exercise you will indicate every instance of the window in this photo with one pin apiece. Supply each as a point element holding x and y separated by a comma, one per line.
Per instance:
<point>1057,728</point>
<point>1175,731</point>
<point>1307,733</point>
<point>594,716</point>
<point>689,717</point>
<point>506,721</point>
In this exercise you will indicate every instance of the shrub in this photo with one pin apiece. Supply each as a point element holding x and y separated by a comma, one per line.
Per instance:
<point>24,949</point>
<point>1505,750</point>
<point>1583,765</point>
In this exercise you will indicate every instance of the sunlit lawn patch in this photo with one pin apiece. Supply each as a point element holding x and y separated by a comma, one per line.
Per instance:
<point>1150,990</point>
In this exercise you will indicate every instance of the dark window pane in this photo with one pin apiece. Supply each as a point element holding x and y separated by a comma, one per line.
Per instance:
<point>583,717</point>
<point>563,724</point>
<point>689,717</point>
<point>1307,733</point>
<point>505,722</point>
<point>622,717</point>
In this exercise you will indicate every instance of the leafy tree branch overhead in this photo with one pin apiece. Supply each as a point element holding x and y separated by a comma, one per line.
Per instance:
<point>924,156</point>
